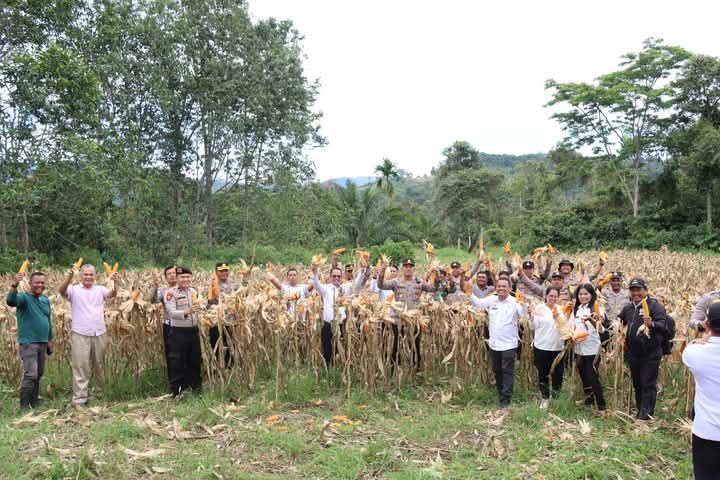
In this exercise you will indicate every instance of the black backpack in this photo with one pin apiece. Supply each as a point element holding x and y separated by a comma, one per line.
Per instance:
<point>667,343</point>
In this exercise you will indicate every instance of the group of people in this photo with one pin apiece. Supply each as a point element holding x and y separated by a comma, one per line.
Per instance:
<point>570,314</point>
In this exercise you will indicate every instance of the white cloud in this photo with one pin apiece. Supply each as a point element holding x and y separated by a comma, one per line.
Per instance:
<point>404,79</point>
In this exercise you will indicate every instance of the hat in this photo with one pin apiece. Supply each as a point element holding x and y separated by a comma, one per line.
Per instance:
<point>221,266</point>
<point>565,261</point>
<point>556,275</point>
<point>637,283</point>
<point>615,275</point>
<point>528,264</point>
<point>349,266</point>
<point>409,261</point>
<point>713,316</point>
<point>183,271</point>
<point>455,265</point>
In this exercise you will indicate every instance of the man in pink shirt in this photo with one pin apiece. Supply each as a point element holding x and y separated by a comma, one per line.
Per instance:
<point>87,333</point>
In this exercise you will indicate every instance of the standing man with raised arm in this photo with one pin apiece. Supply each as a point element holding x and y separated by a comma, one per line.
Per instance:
<point>331,293</point>
<point>291,288</point>
<point>699,314</point>
<point>34,329</point>
<point>407,289</point>
<point>164,295</point>
<point>503,315</point>
<point>87,331</point>
<point>616,297</point>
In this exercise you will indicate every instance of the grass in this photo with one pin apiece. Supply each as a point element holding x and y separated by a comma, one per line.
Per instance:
<point>316,431</point>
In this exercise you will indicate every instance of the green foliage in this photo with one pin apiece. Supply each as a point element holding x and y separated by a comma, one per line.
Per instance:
<point>398,251</point>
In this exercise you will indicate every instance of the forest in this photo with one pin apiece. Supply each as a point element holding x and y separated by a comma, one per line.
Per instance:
<point>145,132</point>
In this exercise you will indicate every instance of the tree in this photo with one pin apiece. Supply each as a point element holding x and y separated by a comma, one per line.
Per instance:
<point>387,173</point>
<point>703,163</point>
<point>697,90</point>
<point>624,114</point>
<point>458,156</point>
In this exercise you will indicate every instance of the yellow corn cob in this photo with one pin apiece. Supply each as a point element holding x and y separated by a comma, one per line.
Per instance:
<point>107,267</point>
<point>24,267</point>
<point>596,310</point>
<point>429,248</point>
<point>135,295</point>
<point>645,309</point>
<point>482,247</point>
<point>603,257</point>
<point>115,267</point>
<point>269,267</point>
<point>506,248</point>
<point>78,264</point>
<point>551,250</point>
<point>520,297</point>
<point>339,251</point>
<point>604,281</point>
<point>317,260</point>
<point>363,255</point>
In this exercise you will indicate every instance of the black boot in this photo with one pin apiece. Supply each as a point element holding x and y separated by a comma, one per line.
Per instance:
<point>35,399</point>
<point>26,398</point>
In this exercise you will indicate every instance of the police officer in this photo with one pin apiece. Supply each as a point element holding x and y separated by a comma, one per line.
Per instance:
<point>163,295</point>
<point>407,289</point>
<point>616,297</point>
<point>184,355</point>
<point>699,314</point>
<point>225,287</point>
<point>527,282</point>
<point>644,351</point>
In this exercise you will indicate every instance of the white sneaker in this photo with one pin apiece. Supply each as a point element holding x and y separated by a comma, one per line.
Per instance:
<point>544,403</point>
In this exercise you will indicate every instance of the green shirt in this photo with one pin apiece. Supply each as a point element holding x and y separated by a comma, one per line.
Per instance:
<point>33,317</point>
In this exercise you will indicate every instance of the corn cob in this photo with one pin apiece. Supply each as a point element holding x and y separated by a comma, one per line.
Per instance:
<point>24,267</point>
<point>339,251</point>
<point>506,248</point>
<point>107,267</point>
<point>429,248</point>
<point>78,264</point>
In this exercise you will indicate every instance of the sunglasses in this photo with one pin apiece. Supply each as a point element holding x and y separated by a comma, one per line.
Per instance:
<point>336,276</point>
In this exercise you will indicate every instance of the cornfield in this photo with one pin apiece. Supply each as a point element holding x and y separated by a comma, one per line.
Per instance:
<point>261,338</point>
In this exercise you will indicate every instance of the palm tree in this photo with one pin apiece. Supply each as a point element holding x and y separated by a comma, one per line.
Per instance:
<point>387,172</point>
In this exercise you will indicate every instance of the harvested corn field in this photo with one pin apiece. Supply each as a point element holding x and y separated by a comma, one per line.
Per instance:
<point>264,340</point>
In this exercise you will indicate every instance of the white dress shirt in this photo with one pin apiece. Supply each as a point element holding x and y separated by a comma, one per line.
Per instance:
<point>503,318</point>
<point>703,359</point>
<point>384,294</point>
<point>301,290</point>
<point>591,345</point>
<point>547,336</point>
<point>331,294</point>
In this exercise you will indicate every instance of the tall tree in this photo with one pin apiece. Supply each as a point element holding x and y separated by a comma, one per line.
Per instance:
<point>387,173</point>
<point>703,163</point>
<point>458,156</point>
<point>624,114</point>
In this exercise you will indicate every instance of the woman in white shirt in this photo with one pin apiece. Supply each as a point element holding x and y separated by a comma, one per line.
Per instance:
<point>547,344</point>
<point>591,319</point>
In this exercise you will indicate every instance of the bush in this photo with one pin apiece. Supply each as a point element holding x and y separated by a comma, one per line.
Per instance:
<point>10,261</point>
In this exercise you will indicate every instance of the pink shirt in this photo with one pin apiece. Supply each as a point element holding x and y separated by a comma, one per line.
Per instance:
<point>88,309</point>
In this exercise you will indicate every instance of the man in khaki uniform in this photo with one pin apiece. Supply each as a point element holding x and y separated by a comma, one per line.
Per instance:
<point>406,289</point>
<point>225,286</point>
<point>699,314</point>
<point>184,354</point>
<point>616,297</point>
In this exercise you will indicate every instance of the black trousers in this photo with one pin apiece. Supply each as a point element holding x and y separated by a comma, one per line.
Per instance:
<point>32,356</point>
<point>184,359</point>
<point>590,380</point>
<point>227,343</point>
<point>326,336</point>
<point>543,360</point>
<point>397,333</point>
<point>644,373</point>
<point>503,363</point>
<point>706,461</point>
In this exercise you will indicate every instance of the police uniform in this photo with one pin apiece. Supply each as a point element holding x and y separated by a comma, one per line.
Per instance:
<point>225,288</point>
<point>615,301</point>
<point>407,292</point>
<point>699,313</point>
<point>184,354</point>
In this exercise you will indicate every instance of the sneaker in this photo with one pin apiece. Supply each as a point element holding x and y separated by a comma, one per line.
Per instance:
<point>544,403</point>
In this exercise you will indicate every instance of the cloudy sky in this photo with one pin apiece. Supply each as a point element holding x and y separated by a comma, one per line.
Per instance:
<point>404,79</point>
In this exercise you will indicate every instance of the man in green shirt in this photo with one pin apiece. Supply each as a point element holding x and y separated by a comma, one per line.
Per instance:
<point>34,327</point>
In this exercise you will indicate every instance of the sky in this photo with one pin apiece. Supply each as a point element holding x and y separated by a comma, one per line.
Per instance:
<point>404,79</point>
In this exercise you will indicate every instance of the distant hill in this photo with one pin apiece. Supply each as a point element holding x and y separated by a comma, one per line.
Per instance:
<point>359,181</point>
<point>505,162</point>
